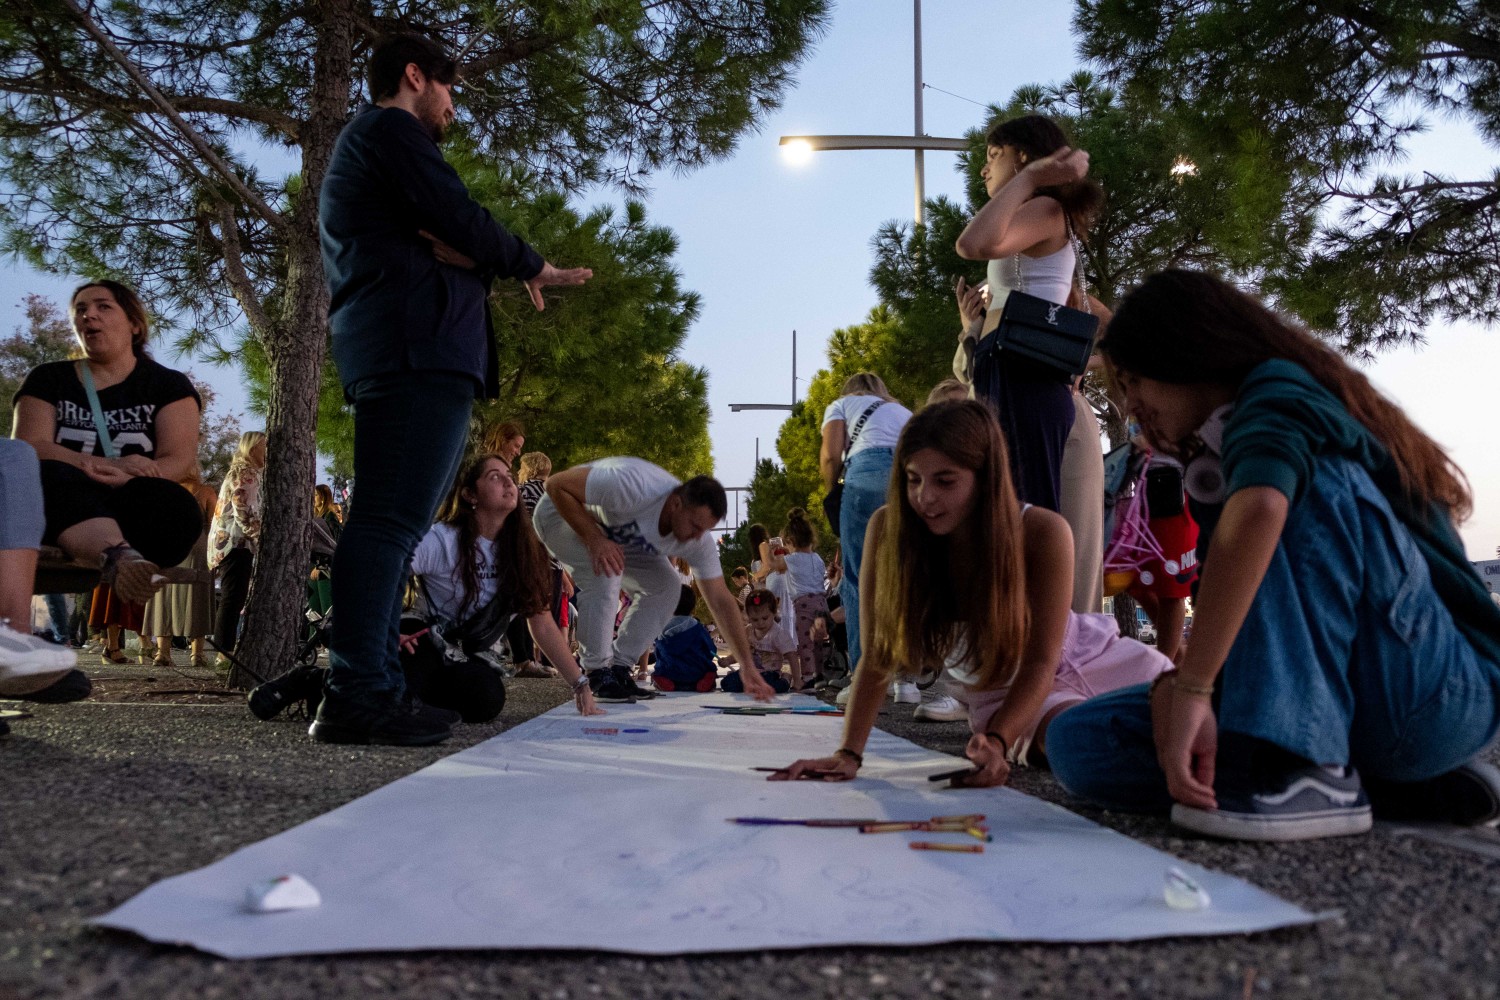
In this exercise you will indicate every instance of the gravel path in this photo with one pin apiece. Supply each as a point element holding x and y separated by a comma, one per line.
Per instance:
<point>102,798</point>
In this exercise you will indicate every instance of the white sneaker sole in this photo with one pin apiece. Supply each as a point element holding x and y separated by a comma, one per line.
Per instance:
<point>1292,826</point>
<point>922,715</point>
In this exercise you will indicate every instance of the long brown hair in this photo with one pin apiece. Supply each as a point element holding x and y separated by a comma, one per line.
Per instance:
<point>520,557</point>
<point>1037,136</point>
<point>1187,327</point>
<point>927,603</point>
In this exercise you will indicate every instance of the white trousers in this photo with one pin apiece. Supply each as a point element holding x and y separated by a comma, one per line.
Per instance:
<point>650,580</point>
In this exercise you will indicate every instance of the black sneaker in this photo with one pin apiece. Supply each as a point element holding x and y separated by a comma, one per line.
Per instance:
<point>1305,803</point>
<point>1468,795</point>
<point>298,684</point>
<point>446,716</point>
<point>625,677</point>
<point>388,723</point>
<point>607,688</point>
<point>72,686</point>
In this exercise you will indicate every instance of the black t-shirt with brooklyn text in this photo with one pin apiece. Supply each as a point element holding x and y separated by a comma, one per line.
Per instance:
<point>130,407</point>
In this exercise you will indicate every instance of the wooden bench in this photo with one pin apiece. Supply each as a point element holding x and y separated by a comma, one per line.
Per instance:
<point>56,573</point>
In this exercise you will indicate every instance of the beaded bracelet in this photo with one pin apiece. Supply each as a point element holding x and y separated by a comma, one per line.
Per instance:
<point>1202,691</point>
<point>858,758</point>
<point>579,684</point>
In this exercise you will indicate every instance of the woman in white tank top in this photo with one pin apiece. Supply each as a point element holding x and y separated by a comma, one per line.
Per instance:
<point>1041,203</point>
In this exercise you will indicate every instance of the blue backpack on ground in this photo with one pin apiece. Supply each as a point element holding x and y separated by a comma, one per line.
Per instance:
<point>685,657</point>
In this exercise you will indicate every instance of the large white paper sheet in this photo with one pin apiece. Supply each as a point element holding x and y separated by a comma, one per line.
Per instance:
<point>563,834</point>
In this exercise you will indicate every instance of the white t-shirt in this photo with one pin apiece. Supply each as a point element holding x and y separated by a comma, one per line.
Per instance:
<point>625,495</point>
<point>880,431</point>
<point>809,575</point>
<point>435,560</point>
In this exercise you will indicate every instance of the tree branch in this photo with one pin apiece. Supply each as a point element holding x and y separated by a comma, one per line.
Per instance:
<point>234,269</point>
<point>197,141</point>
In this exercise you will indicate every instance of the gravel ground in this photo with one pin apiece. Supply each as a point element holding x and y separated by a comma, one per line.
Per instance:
<point>102,798</point>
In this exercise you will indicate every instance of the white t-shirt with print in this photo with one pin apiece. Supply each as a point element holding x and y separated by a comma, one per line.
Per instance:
<point>880,431</point>
<point>625,495</point>
<point>435,560</point>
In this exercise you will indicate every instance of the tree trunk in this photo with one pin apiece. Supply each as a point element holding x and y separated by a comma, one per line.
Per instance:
<point>295,348</point>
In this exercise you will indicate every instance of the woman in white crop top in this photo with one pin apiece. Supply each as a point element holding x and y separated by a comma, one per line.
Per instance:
<point>1041,204</point>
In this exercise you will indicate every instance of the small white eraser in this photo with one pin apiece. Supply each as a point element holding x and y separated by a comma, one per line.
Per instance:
<point>284,892</point>
<point>1183,893</point>
<point>158,578</point>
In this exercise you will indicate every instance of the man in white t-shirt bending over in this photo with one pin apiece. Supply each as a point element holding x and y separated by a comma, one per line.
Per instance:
<point>616,522</point>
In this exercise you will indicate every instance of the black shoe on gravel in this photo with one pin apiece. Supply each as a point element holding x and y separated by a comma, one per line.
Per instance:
<point>383,723</point>
<point>72,686</point>
<point>1305,803</point>
<point>298,684</point>
<point>1468,795</point>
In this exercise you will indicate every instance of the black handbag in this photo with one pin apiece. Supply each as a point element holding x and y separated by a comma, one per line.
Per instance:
<point>1053,337</point>
<point>835,496</point>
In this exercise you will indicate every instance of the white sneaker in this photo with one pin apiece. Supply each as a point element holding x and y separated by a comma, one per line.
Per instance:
<point>940,708</point>
<point>843,696</point>
<point>28,664</point>
<point>905,693</point>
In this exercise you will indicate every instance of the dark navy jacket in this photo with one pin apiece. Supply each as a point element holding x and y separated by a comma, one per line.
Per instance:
<point>392,306</point>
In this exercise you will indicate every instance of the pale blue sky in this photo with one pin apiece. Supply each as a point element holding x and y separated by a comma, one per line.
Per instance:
<point>773,248</point>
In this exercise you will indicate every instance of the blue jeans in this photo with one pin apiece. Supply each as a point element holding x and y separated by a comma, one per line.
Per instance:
<point>409,434</point>
<point>866,479</point>
<point>1347,656</point>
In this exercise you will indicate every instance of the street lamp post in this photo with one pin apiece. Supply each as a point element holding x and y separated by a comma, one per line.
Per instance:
<point>917,142</point>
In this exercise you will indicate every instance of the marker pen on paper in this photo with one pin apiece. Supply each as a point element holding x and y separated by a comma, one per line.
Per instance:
<point>926,845</point>
<point>892,827</point>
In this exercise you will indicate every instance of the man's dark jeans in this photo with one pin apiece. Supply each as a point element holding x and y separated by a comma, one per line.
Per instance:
<point>409,434</point>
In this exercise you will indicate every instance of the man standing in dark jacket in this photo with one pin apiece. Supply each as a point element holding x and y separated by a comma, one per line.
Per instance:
<point>409,258</point>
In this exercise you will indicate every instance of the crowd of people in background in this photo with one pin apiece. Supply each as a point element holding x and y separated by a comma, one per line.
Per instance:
<point>1344,659</point>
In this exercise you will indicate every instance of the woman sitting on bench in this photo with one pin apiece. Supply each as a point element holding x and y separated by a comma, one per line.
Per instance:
<point>115,432</point>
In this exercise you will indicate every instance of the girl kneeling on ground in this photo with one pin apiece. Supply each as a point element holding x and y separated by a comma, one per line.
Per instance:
<point>477,568</point>
<point>958,572</point>
<point>1344,651</point>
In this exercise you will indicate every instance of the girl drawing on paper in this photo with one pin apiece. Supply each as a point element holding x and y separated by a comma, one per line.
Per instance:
<point>960,573</point>
<point>1344,652</point>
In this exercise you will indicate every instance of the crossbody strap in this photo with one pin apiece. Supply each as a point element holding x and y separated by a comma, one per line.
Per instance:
<point>100,427</point>
<point>858,426</point>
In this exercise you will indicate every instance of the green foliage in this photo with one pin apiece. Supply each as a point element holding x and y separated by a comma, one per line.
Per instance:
<point>1313,103</point>
<point>100,182</point>
<point>47,336</point>
<point>594,374</point>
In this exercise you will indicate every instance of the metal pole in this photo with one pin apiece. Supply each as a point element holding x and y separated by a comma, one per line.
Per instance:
<point>794,368</point>
<point>917,95</point>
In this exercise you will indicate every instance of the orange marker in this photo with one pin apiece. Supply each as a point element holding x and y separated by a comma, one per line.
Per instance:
<point>970,818</point>
<point>892,827</point>
<point>925,845</point>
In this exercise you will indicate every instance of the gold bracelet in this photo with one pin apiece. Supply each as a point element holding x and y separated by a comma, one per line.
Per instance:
<point>1179,684</point>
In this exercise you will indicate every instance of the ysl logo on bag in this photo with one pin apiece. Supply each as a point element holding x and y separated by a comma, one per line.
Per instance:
<point>1052,314</point>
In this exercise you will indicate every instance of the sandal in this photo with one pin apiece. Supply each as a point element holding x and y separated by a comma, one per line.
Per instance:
<point>531,668</point>
<point>129,574</point>
<point>113,656</point>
